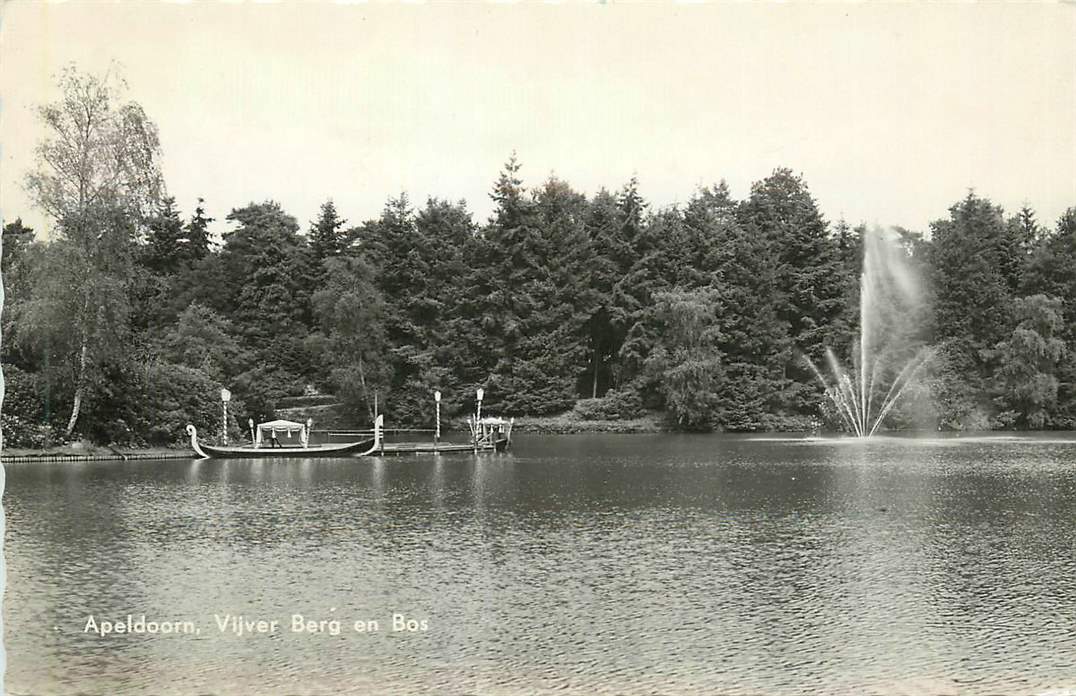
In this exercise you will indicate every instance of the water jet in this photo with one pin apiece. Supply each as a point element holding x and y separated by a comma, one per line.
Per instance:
<point>881,367</point>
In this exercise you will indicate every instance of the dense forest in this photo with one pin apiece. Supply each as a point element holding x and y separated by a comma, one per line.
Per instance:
<point>124,326</point>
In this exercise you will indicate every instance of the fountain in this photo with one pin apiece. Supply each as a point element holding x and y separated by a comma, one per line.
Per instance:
<point>881,366</point>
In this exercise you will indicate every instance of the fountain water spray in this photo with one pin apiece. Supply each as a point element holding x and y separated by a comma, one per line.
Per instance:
<point>888,294</point>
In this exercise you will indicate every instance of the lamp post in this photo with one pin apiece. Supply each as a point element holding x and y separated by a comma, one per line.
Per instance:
<point>225,397</point>
<point>437,407</point>
<point>250,424</point>
<point>478,414</point>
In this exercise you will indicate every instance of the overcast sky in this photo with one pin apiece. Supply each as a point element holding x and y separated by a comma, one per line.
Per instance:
<point>891,112</point>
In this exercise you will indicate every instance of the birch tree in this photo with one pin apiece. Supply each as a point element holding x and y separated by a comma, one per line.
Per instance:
<point>97,175</point>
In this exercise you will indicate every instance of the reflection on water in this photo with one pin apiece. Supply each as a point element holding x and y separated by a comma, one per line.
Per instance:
<point>587,564</point>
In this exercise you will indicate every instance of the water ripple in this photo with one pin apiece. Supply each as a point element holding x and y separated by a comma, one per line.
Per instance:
<point>590,565</point>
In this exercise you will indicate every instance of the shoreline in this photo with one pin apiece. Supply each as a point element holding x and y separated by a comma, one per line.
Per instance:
<point>561,424</point>
<point>567,424</point>
<point>81,452</point>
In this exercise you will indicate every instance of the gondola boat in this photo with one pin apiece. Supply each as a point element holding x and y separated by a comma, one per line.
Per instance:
<point>260,451</point>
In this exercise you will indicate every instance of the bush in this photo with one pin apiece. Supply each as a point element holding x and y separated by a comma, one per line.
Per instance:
<point>615,405</point>
<point>151,403</point>
<point>19,432</point>
<point>24,411</point>
<point>23,394</point>
<point>177,395</point>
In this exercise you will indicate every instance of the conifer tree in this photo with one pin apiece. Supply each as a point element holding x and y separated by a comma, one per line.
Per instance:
<point>166,240</point>
<point>707,219</point>
<point>264,268</point>
<point>198,243</point>
<point>810,288</point>
<point>604,272</point>
<point>407,257</point>
<point>970,264</point>
<point>327,236</point>
<point>633,252</point>
<point>530,374</point>
<point>754,339</point>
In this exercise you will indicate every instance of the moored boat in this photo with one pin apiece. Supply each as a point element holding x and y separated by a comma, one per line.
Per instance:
<point>491,433</point>
<point>258,450</point>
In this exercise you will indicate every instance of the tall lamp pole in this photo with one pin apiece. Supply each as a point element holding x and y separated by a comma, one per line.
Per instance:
<point>225,397</point>
<point>437,406</point>
<point>478,414</point>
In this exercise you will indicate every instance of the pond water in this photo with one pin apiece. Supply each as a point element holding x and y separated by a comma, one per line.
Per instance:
<point>588,564</point>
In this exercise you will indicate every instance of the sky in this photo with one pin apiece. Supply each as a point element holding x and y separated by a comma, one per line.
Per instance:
<point>890,112</point>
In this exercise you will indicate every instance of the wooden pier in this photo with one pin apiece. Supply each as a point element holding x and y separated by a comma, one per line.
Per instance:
<point>389,448</point>
<point>394,448</point>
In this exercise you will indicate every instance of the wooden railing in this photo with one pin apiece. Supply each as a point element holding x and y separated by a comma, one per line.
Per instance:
<point>334,435</point>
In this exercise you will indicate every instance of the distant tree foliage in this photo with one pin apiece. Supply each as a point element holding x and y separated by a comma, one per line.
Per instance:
<point>126,324</point>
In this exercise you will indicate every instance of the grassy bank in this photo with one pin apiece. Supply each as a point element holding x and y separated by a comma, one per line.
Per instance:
<point>571,422</point>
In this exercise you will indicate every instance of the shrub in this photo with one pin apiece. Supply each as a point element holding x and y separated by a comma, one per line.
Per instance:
<point>19,432</point>
<point>615,405</point>
<point>23,394</point>
<point>177,395</point>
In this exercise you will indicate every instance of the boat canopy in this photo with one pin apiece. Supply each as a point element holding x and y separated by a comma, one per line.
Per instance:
<point>282,426</point>
<point>272,427</point>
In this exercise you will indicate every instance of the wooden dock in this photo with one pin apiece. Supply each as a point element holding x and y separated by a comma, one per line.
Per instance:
<point>403,447</point>
<point>397,448</point>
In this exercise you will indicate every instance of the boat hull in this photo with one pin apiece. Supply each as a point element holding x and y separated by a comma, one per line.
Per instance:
<point>342,450</point>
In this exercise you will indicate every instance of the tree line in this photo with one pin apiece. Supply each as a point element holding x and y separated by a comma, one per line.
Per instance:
<point>125,325</point>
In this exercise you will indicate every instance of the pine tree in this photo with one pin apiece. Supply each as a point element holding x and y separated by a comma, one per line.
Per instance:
<point>562,216</point>
<point>782,211</point>
<point>604,337</point>
<point>15,269</point>
<point>633,252</point>
<point>709,215</point>
<point>754,339</point>
<point>533,352</point>
<point>264,267</point>
<point>970,269</point>
<point>447,230</point>
<point>327,236</point>
<point>661,243</point>
<point>166,239</point>
<point>418,260</point>
<point>17,237</point>
<point>198,244</point>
